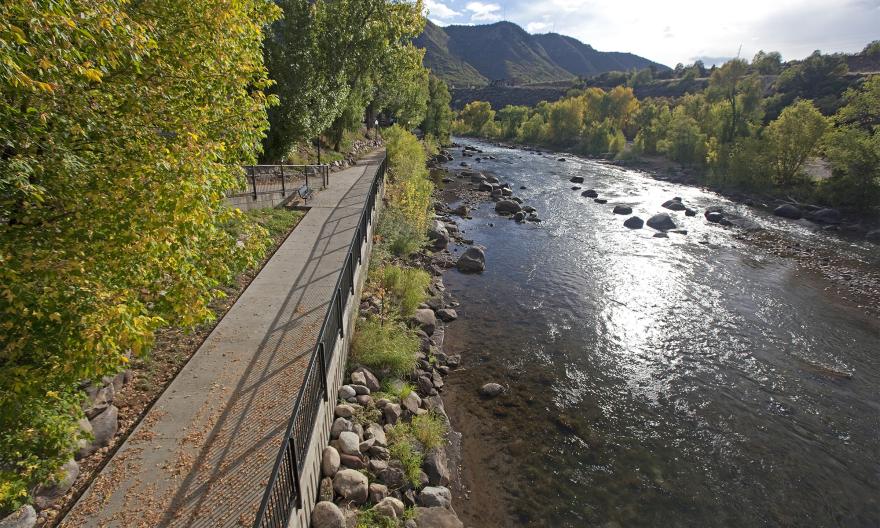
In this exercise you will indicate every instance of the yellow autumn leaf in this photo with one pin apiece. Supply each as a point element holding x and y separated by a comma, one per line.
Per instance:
<point>93,74</point>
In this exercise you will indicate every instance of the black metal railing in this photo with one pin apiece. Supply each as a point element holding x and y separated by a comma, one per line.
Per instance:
<point>282,179</point>
<point>284,491</point>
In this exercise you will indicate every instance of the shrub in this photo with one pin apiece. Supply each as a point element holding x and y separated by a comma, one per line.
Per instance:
<point>403,449</point>
<point>397,235</point>
<point>405,287</point>
<point>391,347</point>
<point>428,429</point>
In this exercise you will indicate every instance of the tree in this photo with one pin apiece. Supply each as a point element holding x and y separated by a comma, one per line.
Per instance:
<point>533,131</point>
<point>511,119</point>
<point>438,116</point>
<point>566,121</point>
<point>475,115</point>
<point>741,92</point>
<point>767,63</point>
<point>122,125</point>
<point>684,142</point>
<point>792,138</point>
<point>402,85</point>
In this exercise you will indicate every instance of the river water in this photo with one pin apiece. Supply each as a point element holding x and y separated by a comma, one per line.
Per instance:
<point>688,381</point>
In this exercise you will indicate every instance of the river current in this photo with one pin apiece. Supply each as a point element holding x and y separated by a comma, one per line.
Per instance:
<point>688,381</point>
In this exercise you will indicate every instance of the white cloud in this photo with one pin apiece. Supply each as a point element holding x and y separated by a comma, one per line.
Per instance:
<point>537,27</point>
<point>439,10</point>
<point>483,12</point>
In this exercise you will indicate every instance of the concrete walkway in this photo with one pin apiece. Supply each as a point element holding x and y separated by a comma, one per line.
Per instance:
<point>203,454</point>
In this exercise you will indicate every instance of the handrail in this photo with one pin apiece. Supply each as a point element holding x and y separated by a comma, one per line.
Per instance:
<point>283,491</point>
<point>275,181</point>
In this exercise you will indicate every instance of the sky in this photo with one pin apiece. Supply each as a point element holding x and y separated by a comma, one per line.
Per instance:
<point>673,31</point>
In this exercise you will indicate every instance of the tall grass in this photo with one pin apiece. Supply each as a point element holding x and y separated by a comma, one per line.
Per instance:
<point>406,288</point>
<point>390,347</point>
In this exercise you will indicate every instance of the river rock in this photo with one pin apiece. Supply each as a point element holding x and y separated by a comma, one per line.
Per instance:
<point>634,222</point>
<point>343,410</point>
<point>473,260</point>
<point>485,186</point>
<point>438,234</point>
<point>53,490</point>
<point>436,466</point>
<point>392,413</point>
<point>462,211</point>
<point>340,425</point>
<point>436,517</point>
<point>378,492</point>
<point>447,314</point>
<point>622,210</point>
<point>520,217</point>
<point>346,392</point>
<point>24,517</point>
<point>789,211</point>
<point>104,428</point>
<point>826,216</point>
<point>435,496</point>
<point>376,432</point>
<point>493,179</point>
<point>351,485</point>
<point>411,402</point>
<point>329,461</point>
<point>690,212</point>
<point>370,379</point>
<point>661,234</point>
<point>390,507</point>
<point>590,193</point>
<point>577,179</point>
<point>507,207</point>
<point>661,222</point>
<point>349,443</point>
<point>393,477</point>
<point>325,514</point>
<point>715,217</point>
<point>674,205</point>
<point>491,390</point>
<point>425,319</point>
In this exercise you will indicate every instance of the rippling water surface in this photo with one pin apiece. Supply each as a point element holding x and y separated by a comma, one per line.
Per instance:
<point>688,381</point>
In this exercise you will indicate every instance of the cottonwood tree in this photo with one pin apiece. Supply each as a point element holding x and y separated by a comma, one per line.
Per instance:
<point>438,115</point>
<point>122,124</point>
<point>793,138</point>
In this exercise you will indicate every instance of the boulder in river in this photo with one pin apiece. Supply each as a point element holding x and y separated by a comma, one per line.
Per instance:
<point>590,193</point>
<point>634,222</point>
<point>789,211</point>
<point>661,222</point>
<point>577,179</point>
<point>825,216</point>
<point>507,207</point>
<point>425,319</point>
<point>690,212</point>
<point>491,390</point>
<point>520,216</point>
<point>473,260</point>
<point>674,205</point>
<point>714,216</point>
<point>600,200</point>
<point>622,209</point>
<point>438,234</point>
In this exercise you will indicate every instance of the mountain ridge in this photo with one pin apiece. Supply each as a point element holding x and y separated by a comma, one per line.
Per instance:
<point>503,51</point>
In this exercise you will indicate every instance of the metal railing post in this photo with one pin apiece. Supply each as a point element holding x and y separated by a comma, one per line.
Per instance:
<point>339,311</point>
<point>322,354</point>
<point>283,190</point>
<point>254,181</point>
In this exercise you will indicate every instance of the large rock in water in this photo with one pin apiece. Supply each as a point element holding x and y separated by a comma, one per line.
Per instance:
<point>507,207</point>
<point>577,179</point>
<point>789,211</point>
<point>674,205</point>
<point>590,193</point>
<point>438,234</point>
<point>473,260</point>
<point>634,222</point>
<point>327,515</point>
<point>826,216</point>
<point>661,222</point>
<point>351,485</point>
<point>436,517</point>
<point>622,209</point>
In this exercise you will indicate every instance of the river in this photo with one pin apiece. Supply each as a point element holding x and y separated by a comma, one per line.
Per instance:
<point>694,380</point>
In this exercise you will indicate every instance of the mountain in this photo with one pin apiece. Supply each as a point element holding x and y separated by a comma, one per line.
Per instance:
<point>477,55</point>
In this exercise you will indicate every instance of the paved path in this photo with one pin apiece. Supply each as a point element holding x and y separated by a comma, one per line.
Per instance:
<point>203,454</point>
